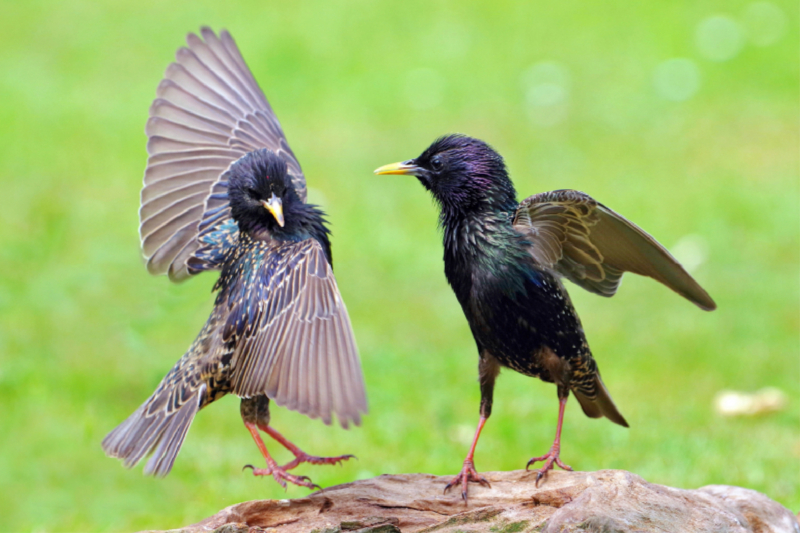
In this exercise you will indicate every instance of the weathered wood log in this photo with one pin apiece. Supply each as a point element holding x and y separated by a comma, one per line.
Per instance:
<point>603,501</point>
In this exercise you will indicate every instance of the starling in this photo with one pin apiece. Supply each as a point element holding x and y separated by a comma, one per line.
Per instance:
<point>504,261</point>
<point>223,191</point>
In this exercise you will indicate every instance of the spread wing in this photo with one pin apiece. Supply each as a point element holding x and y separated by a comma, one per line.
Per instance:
<point>292,334</point>
<point>593,246</point>
<point>208,112</point>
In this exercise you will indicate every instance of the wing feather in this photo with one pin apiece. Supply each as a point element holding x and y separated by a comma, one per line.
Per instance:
<point>204,169</point>
<point>213,108</point>
<point>176,131</point>
<point>171,212</point>
<point>168,198</point>
<point>593,246</point>
<point>200,154</point>
<point>208,112</point>
<point>299,348</point>
<point>166,232</point>
<point>167,110</point>
<point>162,259</point>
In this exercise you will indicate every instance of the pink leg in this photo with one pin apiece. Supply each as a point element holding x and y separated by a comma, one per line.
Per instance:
<point>280,474</point>
<point>555,450</point>
<point>300,455</point>
<point>468,472</point>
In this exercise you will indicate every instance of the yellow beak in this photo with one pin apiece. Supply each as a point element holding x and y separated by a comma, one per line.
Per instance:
<point>406,167</point>
<point>274,206</point>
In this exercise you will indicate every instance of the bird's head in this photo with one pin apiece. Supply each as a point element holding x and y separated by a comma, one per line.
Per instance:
<point>461,172</point>
<point>260,192</point>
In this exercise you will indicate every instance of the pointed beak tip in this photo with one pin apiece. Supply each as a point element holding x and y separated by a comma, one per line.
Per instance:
<point>404,168</point>
<point>275,207</point>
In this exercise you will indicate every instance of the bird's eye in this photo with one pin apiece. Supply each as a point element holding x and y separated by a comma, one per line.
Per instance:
<point>436,163</point>
<point>252,192</point>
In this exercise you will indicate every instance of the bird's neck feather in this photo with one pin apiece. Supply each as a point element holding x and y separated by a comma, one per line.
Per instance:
<point>478,238</point>
<point>303,221</point>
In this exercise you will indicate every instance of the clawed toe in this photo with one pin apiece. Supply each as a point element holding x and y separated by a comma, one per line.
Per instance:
<point>549,459</point>
<point>562,465</point>
<point>467,474</point>
<point>280,473</point>
<point>304,481</point>
<point>314,460</point>
<point>282,476</point>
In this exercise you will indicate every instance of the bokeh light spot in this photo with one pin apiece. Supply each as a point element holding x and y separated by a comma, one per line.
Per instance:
<point>677,79</point>
<point>691,251</point>
<point>719,38</point>
<point>449,40</point>
<point>765,23</point>
<point>547,86</point>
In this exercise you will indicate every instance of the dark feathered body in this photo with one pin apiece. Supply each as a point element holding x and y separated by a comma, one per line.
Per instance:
<point>518,311</point>
<point>505,260</point>
<point>250,262</point>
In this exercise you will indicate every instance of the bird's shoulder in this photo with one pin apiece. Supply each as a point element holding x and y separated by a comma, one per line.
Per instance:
<point>508,270</point>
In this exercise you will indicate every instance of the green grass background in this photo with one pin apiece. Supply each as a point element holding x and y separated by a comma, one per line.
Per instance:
<point>86,333</point>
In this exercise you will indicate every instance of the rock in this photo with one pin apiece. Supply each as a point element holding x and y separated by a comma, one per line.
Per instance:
<point>607,501</point>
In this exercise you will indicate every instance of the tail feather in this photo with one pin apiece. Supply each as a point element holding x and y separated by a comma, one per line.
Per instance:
<point>171,441</point>
<point>601,404</point>
<point>160,430</point>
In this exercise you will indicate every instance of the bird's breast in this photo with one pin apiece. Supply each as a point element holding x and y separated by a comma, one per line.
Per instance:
<point>518,316</point>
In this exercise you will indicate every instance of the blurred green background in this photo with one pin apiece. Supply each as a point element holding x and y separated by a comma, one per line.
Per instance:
<point>683,116</point>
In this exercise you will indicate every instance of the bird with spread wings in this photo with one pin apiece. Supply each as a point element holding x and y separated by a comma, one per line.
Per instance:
<point>223,191</point>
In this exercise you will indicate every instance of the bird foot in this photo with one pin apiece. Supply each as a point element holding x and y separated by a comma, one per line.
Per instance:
<point>468,473</point>
<point>314,460</point>
<point>282,476</point>
<point>551,457</point>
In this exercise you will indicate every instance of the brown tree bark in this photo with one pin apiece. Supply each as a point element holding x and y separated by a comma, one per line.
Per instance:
<point>603,501</point>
